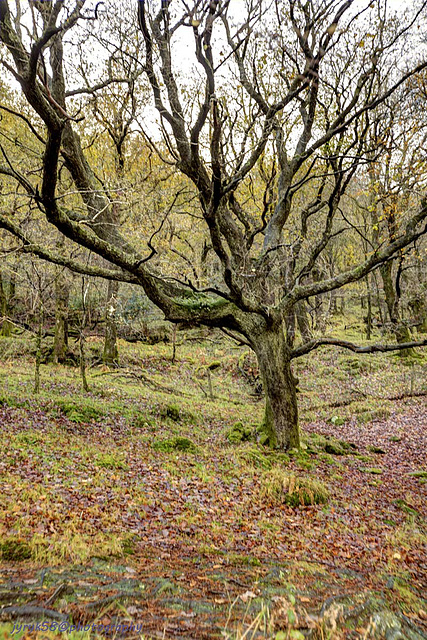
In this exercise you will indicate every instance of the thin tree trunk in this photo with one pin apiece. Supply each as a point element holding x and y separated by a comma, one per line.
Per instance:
<point>5,325</point>
<point>82,353</point>
<point>369,310</point>
<point>111,353</point>
<point>83,362</point>
<point>62,294</point>
<point>392,298</point>
<point>38,348</point>
<point>303,321</point>
<point>281,410</point>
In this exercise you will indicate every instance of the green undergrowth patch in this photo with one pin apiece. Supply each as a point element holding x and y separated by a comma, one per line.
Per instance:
<point>240,432</point>
<point>281,487</point>
<point>110,461</point>
<point>14,550</point>
<point>253,456</point>
<point>83,411</point>
<point>316,443</point>
<point>177,443</point>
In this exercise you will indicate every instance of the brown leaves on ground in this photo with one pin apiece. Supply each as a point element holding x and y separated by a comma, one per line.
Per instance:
<point>189,533</point>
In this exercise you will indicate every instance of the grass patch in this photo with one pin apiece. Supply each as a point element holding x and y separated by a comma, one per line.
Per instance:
<point>110,461</point>
<point>280,487</point>
<point>80,412</point>
<point>177,443</point>
<point>252,455</point>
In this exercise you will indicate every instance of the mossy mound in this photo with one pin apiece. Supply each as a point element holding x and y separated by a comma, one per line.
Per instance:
<point>79,412</point>
<point>317,443</point>
<point>14,550</point>
<point>175,444</point>
<point>109,461</point>
<point>239,433</point>
<point>280,487</point>
<point>171,411</point>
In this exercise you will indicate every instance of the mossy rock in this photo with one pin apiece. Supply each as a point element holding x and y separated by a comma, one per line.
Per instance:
<point>171,411</point>
<point>334,448</point>
<point>379,450</point>
<point>239,433</point>
<point>175,444</point>
<point>319,443</point>
<point>14,550</point>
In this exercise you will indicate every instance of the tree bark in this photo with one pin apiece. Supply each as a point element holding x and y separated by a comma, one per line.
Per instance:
<point>392,298</point>
<point>280,385</point>
<point>303,320</point>
<point>62,294</point>
<point>5,325</point>
<point>111,354</point>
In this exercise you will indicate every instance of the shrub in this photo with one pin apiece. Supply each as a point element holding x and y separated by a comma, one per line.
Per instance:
<point>280,487</point>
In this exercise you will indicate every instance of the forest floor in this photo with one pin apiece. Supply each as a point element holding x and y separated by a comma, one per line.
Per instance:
<point>130,505</point>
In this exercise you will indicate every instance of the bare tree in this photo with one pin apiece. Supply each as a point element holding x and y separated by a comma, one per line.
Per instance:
<point>304,76</point>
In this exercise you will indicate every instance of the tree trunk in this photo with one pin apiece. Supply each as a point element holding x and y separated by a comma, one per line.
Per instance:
<point>369,310</point>
<point>5,325</point>
<point>281,410</point>
<point>39,337</point>
<point>303,320</point>
<point>392,297</point>
<point>111,353</point>
<point>62,294</point>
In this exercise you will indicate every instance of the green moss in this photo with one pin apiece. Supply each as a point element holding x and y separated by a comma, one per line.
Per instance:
<point>373,414</point>
<point>79,412</point>
<point>175,444</point>
<point>201,302</point>
<point>129,545</point>
<point>378,450</point>
<point>214,365</point>
<point>109,461</point>
<point>239,433</point>
<point>171,411</point>
<point>372,470</point>
<point>418,474</point>
<point>14,550</point>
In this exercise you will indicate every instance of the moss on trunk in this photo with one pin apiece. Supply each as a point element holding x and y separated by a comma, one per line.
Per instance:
<point>280,424</point>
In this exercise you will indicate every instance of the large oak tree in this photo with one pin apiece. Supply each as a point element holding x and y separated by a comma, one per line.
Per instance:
<point>270,125</point>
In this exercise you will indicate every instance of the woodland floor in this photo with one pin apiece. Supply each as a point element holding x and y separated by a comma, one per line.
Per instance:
<point>99,523</point>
